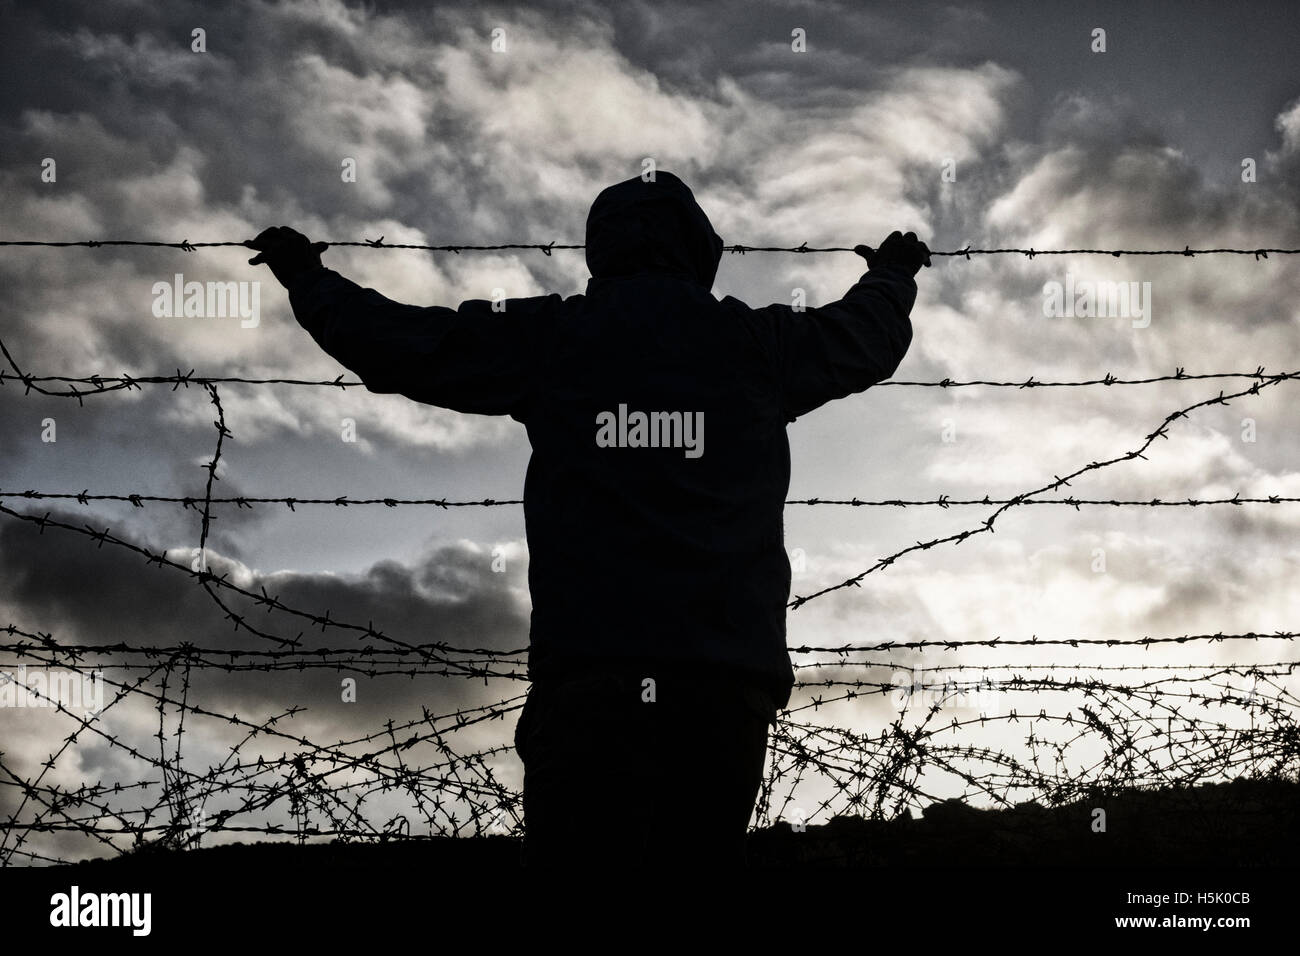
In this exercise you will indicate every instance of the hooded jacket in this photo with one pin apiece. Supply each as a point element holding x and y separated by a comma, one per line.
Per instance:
<point>654,498</point>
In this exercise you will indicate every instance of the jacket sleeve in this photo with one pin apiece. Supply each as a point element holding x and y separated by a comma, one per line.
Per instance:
<point>469,359</point>
<point>843,347</point>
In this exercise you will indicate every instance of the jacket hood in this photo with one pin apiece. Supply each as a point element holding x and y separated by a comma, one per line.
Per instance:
<point>638,227</point>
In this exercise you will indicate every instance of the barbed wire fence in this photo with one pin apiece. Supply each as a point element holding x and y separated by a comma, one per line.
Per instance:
<point>1101,728</point>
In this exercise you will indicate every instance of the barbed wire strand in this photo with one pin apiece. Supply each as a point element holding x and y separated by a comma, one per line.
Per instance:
<point>546,248</point>
<point>139,499</point>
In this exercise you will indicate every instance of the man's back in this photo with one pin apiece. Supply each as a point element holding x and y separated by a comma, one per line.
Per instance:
<point>655,493</point>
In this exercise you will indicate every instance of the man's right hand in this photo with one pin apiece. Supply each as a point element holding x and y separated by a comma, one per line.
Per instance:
<point>900,250</point>
<point>288,252</point>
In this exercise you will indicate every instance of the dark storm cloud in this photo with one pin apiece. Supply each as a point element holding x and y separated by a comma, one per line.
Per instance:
<point>60,582</point>
<point>62,578</point>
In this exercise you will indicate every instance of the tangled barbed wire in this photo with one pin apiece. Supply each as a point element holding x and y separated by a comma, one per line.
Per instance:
<point>1099,727</point>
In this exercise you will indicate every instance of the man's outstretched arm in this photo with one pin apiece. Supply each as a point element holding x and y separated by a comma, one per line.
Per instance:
<point>849,345</point>
<point>470,359</point>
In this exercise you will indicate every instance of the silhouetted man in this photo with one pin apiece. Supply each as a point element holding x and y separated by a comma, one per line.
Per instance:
<point>653,502</point>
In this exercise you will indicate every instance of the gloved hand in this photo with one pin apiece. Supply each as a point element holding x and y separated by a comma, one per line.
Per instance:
<point>900,250</point>
<point>288,252</point>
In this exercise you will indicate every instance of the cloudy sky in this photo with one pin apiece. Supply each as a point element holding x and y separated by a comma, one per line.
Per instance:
<point>1045,143</point>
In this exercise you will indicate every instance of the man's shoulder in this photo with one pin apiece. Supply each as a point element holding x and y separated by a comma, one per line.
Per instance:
<point>732,304</point>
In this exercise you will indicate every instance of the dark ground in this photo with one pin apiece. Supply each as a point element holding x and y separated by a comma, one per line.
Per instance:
<point>1027,873</point>
<point>1245,823</point>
